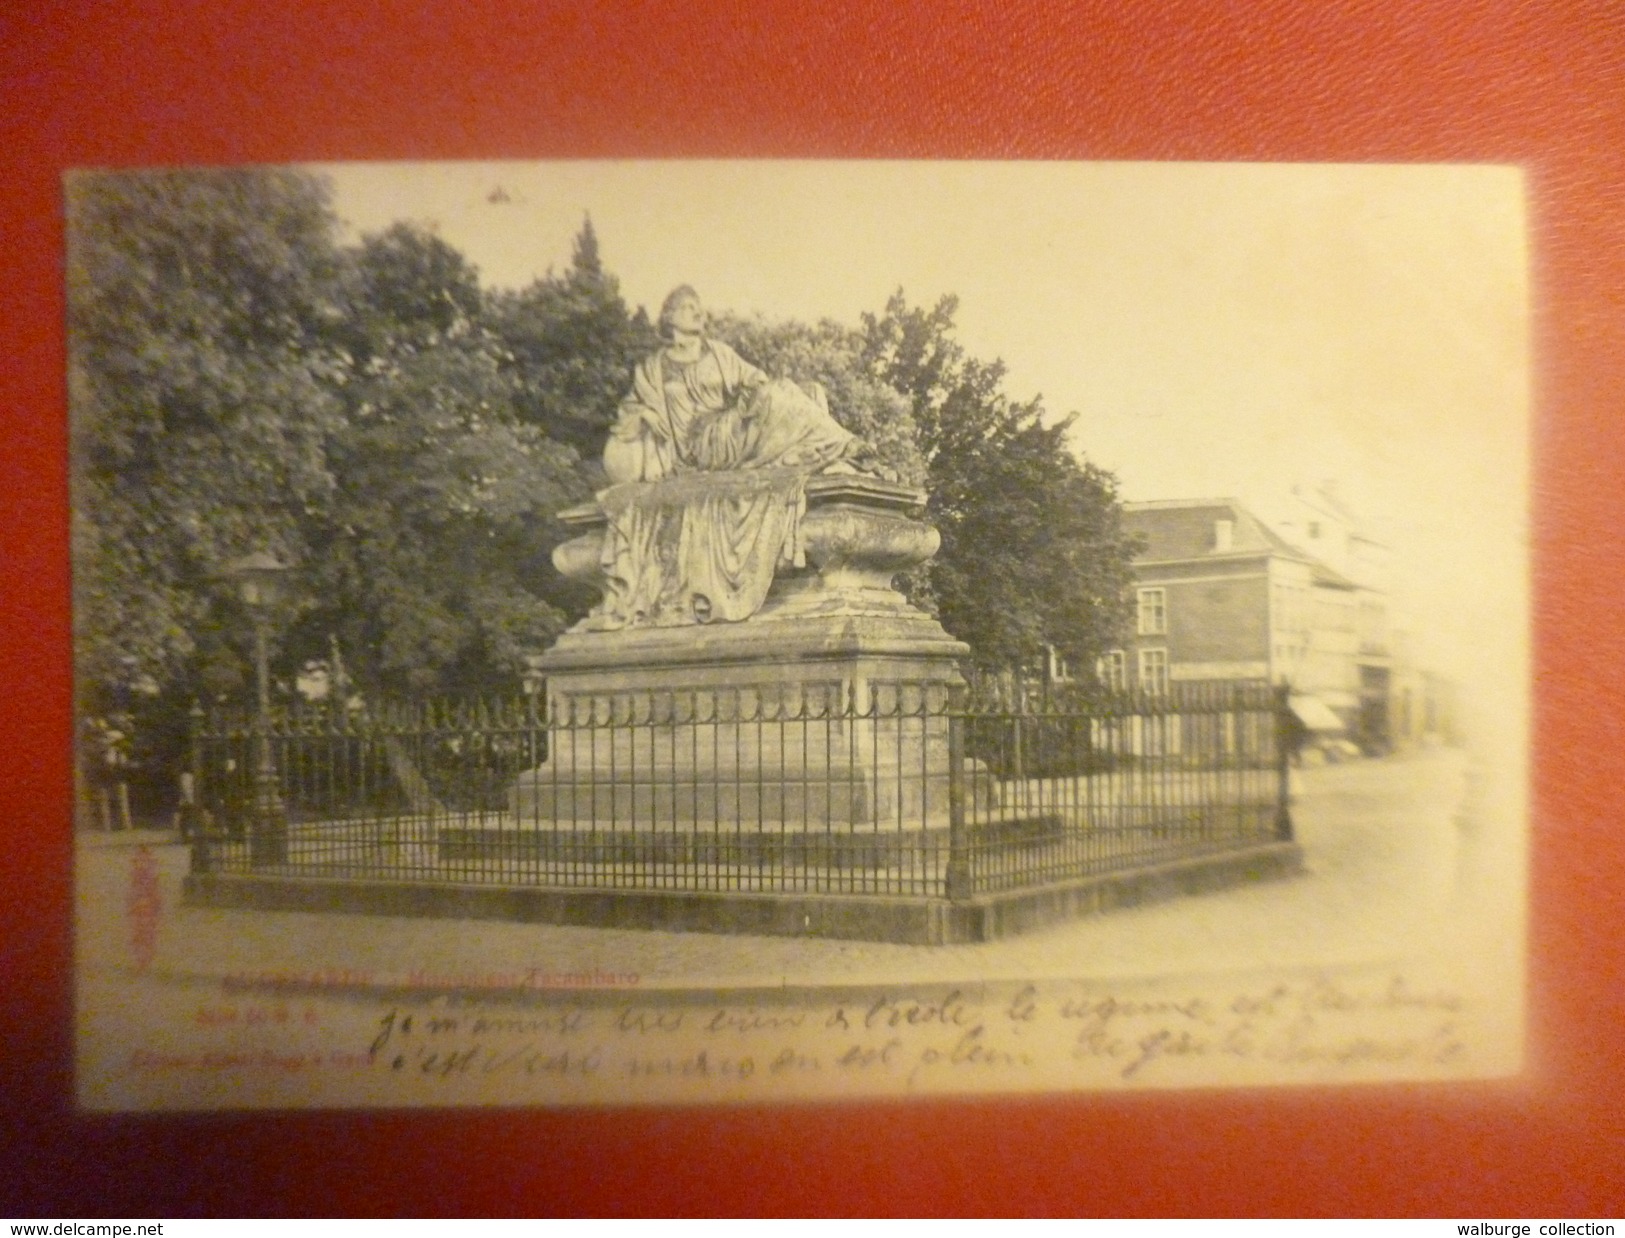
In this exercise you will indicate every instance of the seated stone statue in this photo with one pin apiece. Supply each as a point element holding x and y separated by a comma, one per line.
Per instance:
<point>697,406</point>
<point>708,463</point>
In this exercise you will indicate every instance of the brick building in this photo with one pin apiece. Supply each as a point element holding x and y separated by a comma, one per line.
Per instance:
<point>1221,595</point>
<point>1367,690</point>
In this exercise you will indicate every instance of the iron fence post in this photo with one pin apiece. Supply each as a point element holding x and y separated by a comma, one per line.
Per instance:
<point>958,883</point>
<point>268,826</point>
<point>1283,762</point>
<point>194,820</point>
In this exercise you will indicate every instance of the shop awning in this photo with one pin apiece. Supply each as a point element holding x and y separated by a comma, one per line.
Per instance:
<point>1314,713</point>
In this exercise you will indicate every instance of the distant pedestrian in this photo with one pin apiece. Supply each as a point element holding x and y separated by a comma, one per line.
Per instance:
<point>107,753</point>
<point>190,820</point>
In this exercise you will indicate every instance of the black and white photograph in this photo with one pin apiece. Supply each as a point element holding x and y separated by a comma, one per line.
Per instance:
<point>745,631</point>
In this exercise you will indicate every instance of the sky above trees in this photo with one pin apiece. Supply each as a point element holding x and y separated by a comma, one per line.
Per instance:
<point>1217,329</point>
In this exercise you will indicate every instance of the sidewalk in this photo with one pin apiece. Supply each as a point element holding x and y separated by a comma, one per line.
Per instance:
<point>1381,847</point>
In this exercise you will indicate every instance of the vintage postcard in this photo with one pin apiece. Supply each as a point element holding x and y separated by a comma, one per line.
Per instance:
<point>738,632</point>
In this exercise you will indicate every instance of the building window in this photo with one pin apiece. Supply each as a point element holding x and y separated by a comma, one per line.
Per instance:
<point>1153,612</point>
<point>1060,666</point>
<point>1154,670</point>
<point>1112,670</point>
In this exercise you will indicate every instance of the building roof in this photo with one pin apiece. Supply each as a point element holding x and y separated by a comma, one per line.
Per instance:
<point>1176,530</point>
<point>1324,500</point>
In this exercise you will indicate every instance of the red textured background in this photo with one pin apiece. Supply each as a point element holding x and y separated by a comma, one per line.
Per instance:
<point>1538,85</point>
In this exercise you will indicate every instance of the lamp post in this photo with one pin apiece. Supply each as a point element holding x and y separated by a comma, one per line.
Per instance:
<point>260,579</point>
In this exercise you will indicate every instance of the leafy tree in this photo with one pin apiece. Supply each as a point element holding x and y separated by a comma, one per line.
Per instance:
<point>199,307</point>
<point>434,547</point>
<point>239,381</point>
<point>407,290</point>
<point>832,356</point>
<point>1033,552</point>
<point>202,397</point>
<point>569,346</point>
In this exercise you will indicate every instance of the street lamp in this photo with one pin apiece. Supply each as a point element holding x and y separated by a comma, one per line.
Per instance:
<point>261,579</point>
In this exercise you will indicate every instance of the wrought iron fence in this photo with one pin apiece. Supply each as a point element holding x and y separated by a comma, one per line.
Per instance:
<point>1080,784</point>
<point>911,789</point>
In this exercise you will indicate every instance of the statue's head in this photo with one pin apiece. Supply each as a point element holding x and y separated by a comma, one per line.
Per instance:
<point>675,300</point>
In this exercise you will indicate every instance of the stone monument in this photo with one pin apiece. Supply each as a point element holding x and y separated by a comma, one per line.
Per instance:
<point>750,670</point>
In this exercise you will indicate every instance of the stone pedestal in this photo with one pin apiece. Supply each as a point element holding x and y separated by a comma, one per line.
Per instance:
<point>822,718</point>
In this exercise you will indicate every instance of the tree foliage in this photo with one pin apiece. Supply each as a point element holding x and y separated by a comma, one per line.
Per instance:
<point>832,356</point>
<point>569,346</point>
<point>241,381</point>
<point>199,305</point>
<point>431,555</point>
<point>1033,553</point>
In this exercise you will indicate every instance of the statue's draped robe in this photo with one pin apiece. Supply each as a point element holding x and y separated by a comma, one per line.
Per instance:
<point>711,460</point>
